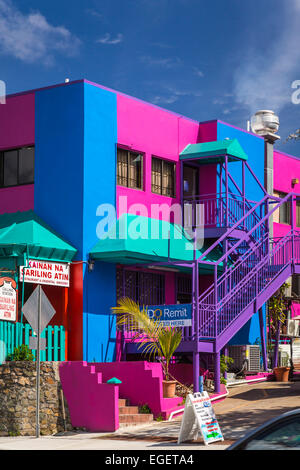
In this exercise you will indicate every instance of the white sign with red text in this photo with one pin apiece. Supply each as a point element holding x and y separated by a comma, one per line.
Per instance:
<point>199,418</point>
<point>8,299</point>
<point>46,272</point>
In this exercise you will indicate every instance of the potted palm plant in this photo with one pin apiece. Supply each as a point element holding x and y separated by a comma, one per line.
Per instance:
<point>154,339</point>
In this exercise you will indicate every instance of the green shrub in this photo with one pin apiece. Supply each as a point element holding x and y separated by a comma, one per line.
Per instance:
<point>21,353</point>
<point>144,409</point>
<point>159,418</point>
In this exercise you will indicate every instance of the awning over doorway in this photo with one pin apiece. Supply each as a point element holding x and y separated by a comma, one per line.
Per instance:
<point>24,234</point>
<point>135,239</point>
<point>214,152</point>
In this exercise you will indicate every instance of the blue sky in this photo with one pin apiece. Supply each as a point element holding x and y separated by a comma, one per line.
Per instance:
<point>205,59</point>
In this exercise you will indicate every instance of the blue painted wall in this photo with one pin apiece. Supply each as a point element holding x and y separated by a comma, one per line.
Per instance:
<point>254,147</point>
<point>99,177</point>
<point>75,171</point>
<point>58,188</point>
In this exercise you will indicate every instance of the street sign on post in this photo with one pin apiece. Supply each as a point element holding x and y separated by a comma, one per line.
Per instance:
<point>38,311</point>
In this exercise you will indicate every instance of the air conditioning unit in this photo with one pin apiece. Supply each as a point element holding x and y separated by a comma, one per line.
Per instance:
<point>293,328</point>
<point>283,359</point>
<point>247,356</point>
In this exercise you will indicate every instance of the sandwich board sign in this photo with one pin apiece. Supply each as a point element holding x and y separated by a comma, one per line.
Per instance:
<point>199,418</point>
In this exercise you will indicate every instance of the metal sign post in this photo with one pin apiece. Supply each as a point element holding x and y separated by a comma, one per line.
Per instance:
<point>38,312</point>
<point>38,365</point>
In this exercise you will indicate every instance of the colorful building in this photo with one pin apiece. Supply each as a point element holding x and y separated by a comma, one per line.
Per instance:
<point>72,154</point>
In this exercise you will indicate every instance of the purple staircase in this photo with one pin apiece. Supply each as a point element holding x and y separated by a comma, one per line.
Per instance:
<point>254,267</point>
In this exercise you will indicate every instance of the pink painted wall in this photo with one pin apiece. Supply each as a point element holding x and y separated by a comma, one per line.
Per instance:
<point>16,130</point>
<point>141,384</point>
<point>17,198</point>
<point>286,168</point>
<point>92,404</point>
<point>208,131</point>
<point>152,131</point>
<point>17,121</point>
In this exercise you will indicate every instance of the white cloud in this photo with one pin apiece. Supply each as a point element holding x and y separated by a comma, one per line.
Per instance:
<point>168,62</point>
<point>92,12</point>
<point>264,78</point>
<point>107,39</point>
<point>174,94</point>
<point>198,72</point>
<point>30,38</point>
<point>164,99</point>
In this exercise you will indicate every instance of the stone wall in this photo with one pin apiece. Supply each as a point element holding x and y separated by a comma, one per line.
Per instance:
<point>18,399</point>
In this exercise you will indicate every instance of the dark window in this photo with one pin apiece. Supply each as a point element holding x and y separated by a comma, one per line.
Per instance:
<point>163,177</point>
<point>184,289</point>
<point>190,181</point>
<point>280,436</point>
<point>296,285</point>
<point>142,287</point>
<point>298,213</point>
<point>17,167</point>
<point>129,169</point>
<point>284,210</point>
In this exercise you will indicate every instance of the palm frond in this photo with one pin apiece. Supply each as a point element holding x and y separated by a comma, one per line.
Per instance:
<point>155,339</point>
<point>136,318</point>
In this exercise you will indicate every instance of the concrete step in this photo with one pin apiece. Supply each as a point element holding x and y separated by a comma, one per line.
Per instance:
<point>123,402</point>
<point>128,410</point>
<point>131,419</point>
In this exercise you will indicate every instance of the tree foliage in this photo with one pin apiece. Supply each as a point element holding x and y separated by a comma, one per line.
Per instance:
<point>151,336</point>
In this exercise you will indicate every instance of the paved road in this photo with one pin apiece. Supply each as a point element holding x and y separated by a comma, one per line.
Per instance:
<point>246,407</point>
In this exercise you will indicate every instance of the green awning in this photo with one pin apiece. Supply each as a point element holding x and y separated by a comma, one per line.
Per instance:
<point>135,239</point>
<point>24,233</point>
<point>214,152</point>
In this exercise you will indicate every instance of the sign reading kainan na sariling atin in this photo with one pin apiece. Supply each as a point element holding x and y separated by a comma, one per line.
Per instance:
<point>172,315</point>
<point>8,299</point>
<point>46,272</point>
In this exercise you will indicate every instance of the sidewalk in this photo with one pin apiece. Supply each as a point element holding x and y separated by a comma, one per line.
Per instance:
<point>246,407</point>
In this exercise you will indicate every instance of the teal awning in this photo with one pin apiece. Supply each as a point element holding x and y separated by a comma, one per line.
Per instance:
<point>214,152</point>
<point>24,233</point>
<point>124,245</point>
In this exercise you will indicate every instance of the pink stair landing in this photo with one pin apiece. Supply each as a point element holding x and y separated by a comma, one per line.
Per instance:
<point>95,404</point>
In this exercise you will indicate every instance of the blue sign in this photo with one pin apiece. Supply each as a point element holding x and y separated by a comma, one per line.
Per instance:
<point>172,315</point>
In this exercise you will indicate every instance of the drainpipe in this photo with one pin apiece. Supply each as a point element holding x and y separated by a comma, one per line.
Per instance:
<point>265,123</point>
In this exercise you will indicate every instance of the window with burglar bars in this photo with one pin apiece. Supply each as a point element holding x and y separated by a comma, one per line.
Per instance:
<point>129,169</point>
<point>163,177</point>
<point>184,289</point>
<point>144,288</point>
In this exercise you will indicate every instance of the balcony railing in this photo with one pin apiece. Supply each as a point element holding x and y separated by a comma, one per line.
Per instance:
<point>216,211</point>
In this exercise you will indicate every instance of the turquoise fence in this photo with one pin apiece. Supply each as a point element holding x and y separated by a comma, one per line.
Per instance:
<point>15,334</point>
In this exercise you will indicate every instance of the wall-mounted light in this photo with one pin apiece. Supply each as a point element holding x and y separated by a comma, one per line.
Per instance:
<point>91,265</point>
<point>295,181</point>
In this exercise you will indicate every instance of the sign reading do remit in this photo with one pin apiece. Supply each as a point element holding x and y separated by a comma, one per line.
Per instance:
<point>172,315</point>
<point>46,272</point>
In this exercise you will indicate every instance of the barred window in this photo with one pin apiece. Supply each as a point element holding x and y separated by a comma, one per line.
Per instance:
<point>129,169</point>
<point>184,289</point>
<point>163,177</point>
<point>143,287</point>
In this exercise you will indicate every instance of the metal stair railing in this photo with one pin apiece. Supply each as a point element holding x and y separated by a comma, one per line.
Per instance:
<point>241,283</point>
<point>221,314</point>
